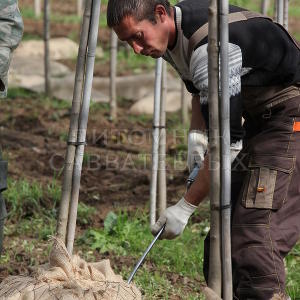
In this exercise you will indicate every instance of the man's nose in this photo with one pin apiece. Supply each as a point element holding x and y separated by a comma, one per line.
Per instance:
<point>136,48</point>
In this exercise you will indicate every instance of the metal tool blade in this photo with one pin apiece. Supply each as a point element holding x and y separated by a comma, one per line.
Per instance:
<point>145,254</point>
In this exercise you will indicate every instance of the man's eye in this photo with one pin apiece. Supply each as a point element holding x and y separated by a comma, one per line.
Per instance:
<point>139,35</point>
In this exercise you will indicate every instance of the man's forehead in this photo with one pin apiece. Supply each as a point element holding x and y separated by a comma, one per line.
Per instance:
<point>126,28</point>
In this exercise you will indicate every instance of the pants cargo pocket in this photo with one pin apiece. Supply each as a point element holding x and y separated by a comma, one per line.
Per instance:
<point>268,181</point>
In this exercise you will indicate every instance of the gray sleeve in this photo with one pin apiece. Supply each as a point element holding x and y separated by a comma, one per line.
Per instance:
<point>11,31</point>
<point>199,71</point>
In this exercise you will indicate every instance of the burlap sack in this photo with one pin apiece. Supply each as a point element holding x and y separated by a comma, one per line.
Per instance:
<point>69,278</point>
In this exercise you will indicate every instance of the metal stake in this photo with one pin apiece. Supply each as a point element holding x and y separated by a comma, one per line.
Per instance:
<point>155,141</point>
<point>214,277</point>
<point>145,254</point>
<point>224,104</point>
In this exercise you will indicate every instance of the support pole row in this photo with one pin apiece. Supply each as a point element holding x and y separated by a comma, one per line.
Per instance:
<point>158,171</point>
<point>66,224</point>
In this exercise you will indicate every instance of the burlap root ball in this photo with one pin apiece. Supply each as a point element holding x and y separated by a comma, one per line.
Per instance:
<point>69,278</point>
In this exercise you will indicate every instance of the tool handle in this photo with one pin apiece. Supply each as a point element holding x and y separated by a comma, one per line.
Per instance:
<point>192,177</point>
<point>145,253</point>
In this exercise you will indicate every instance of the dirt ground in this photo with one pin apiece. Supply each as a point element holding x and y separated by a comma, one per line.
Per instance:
<point>116,165</point>
<point>116,174</point>
<point>116,171</point>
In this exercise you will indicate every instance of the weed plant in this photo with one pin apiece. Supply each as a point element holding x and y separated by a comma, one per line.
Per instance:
<point>85,214</point>
<point>125,235</point>
<point>169,266</point>
<point>26,200</point>
<point>129,235</point>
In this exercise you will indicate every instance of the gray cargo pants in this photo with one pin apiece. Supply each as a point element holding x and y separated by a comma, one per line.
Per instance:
<point>265,202</point>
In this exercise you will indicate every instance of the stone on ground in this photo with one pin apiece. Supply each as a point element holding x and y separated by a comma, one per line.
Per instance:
<point>146,105</point>
<point>60,48</point>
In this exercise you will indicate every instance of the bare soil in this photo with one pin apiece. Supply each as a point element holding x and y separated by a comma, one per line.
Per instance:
<point>114,167</point>
<point>115,175</point>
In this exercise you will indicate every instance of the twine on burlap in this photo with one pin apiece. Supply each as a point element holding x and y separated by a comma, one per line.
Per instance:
<point>69,278</point>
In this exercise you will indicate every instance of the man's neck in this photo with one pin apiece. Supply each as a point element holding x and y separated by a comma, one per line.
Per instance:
<point>172,33</point>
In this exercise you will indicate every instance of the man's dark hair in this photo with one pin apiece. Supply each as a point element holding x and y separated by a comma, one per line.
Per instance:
<point>140,9</point>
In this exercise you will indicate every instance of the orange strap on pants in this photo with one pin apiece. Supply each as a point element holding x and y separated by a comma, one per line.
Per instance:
<point>296,126</point>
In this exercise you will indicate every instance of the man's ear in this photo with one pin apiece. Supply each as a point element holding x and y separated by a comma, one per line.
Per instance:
<point>160,13</point>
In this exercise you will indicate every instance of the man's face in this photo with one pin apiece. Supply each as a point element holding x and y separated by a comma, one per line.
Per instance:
<point>144,37</point>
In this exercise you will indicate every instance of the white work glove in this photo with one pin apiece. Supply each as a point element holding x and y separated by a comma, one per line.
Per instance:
<point>235,148</point>
<point>197,146</point>
<point>175,217</point>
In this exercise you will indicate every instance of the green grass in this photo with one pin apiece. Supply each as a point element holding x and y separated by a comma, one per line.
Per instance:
<point>28,13</point>
<point>30,37</point>
<point>96,107</point>
<point>125,235</point>
<point>143,119</point>
<point>293,273</point>
<point>136,62</point>
<point>38,227</point>
<point>65,19</point>
<point>16,93</point>
<point>85,213</point>
<point>294,10</point>
<point>297,36</point>
<point>128,61</point>
<point>26,200</point>
<point>23,199</point>
<point>32,214</point>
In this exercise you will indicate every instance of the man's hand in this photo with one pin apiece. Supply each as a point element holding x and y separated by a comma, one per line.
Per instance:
<point>175,217</point>
<point>197,146</point>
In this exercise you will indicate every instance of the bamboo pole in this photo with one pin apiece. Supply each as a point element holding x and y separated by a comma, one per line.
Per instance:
<point>286,14</point>
<point>46,47</point>
<point>214,277</point>
<point>265,6</point>
<point>162,183</point>
<point>184,105</point>
<point>155,140</point>
<point>279,10</point>
<point>73,129</point>
<point>184,102</point>
<point>83,120</point>
<point>225,151</point>
<point>37,8</point>
<point>275,10</point>
<point>79,7</point>
<point>113,73</point>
